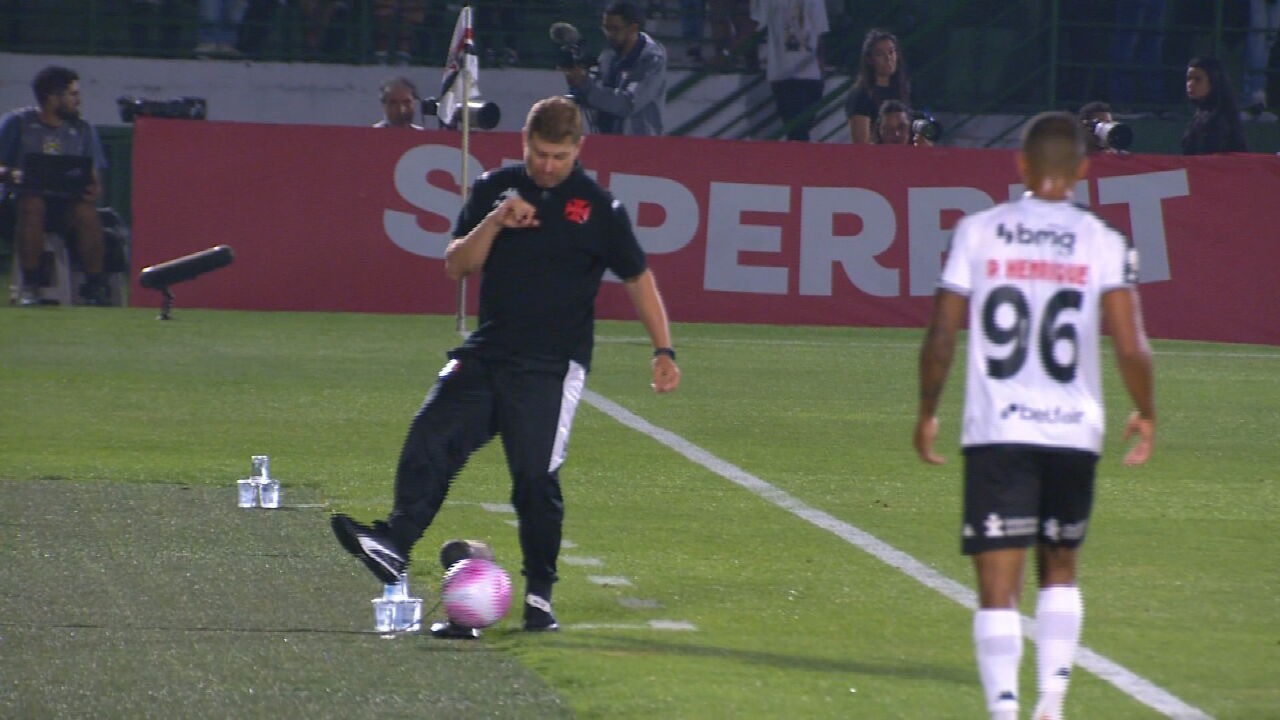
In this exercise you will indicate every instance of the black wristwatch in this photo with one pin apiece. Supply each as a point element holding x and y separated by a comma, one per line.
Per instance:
<point>665,351</point>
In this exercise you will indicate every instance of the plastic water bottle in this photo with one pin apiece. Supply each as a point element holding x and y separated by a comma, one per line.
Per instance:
<point>396,611</point>
<point>246,493</point>
<point>269,494</point>
<point>261,467</point>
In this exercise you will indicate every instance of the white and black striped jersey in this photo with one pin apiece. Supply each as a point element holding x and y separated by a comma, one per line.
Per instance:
<point>1035,272</point>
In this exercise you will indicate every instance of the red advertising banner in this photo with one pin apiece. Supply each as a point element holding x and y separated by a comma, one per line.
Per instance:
<point>357,219</point>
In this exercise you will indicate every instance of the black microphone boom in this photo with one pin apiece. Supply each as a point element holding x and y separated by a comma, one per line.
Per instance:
<point>188,267</point>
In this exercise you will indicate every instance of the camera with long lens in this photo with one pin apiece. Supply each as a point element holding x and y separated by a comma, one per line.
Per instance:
<point>926,126</point>
<point>483,115</point>
<point>183,108</point>
<point>568,46</point>
<point>1110,135</point>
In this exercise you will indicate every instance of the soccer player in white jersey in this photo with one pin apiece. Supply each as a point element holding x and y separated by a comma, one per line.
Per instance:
<point>1033,279</point>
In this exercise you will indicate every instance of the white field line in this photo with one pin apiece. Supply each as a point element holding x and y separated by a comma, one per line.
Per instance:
<point>676,625</point>
<point>1132,684</point>
<point>856,344</point>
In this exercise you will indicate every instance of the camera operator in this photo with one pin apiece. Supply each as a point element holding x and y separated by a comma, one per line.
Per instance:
<point>53,127</point>
<point>399,102</point>
<point>1102,132</point>
<point>627,94</point>
<point>896,126</point>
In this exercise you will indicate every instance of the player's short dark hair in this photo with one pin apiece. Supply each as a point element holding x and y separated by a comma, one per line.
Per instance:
<point>893,106</point>
<point>394,82</point>
<point>51,81</point>
<point>628,11</point>
<point>1090,109</point>
<point>555,119</point>
<point>1054,142</point>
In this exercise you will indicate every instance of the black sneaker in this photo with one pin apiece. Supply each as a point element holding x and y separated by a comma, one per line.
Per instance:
<point>537,614</point>
<point>450,630</point>
<point>29,295</point>
<point>371,546</point>
<point>95,292</point>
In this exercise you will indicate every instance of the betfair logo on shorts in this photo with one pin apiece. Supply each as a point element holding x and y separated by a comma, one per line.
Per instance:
<point>1050,416</point>
<point>1065,242</point>
<point>995,526</point>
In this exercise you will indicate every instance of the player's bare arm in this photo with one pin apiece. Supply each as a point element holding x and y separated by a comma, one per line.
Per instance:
<point>643,290</point>
<point>949,313</point>
<point>466,255</point>
<point>1122,313</point>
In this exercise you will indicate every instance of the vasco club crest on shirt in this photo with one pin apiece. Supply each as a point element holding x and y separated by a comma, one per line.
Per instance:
<point>577,210</point>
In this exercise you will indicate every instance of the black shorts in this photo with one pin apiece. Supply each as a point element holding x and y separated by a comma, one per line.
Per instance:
<point>1018,495</point>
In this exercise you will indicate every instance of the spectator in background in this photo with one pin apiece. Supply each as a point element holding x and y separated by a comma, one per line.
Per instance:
<point>693,15</point>
<point>217,31</point>
<point>1138,39</point>
<point>154,27</point>
<point>324,26</point>
<point>628,94</point>
<point>895,125</point>
<point>498,31</point>
<point>1083,46</point>
<point>733,35</point>
<point>255,25</point>
<point>882,75</point>
<point>54,127</point>
<point>1090,115</point>
<point>400,102</point>
<point>1215,126</point>
<point>398,20</point>
<point>793,64</point>
<point>1264,21</point>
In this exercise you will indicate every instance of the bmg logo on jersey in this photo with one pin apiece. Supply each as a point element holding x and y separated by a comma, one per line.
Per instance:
<point>1064,241</point>
<point>1050,416</point>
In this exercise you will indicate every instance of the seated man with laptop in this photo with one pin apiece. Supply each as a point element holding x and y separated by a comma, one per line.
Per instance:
<point>50,160</point>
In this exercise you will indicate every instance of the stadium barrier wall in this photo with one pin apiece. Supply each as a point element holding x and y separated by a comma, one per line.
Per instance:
<point>357,219</point>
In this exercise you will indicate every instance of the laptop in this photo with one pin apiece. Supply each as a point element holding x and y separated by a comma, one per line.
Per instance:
<point>56,176</point>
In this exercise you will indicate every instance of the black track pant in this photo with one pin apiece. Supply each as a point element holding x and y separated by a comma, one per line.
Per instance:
<point>531,407</point>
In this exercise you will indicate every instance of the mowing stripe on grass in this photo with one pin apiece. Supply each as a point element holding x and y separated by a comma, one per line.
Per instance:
<point>1132,684</point>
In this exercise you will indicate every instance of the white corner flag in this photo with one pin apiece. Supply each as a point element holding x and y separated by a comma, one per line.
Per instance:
<point>462,59</point>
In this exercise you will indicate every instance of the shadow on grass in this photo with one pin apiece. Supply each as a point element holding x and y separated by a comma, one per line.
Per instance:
<point>650,646</point>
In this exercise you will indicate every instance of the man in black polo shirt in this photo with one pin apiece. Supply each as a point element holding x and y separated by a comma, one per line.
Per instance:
<point>542,234</point>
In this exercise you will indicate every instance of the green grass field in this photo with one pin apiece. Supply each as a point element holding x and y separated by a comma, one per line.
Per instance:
<point>133,587</point>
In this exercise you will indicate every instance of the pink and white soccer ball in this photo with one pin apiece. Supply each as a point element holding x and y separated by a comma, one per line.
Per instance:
<point>476,593</point>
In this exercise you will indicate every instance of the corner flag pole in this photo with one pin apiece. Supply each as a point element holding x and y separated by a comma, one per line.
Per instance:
<point>461,60</point>
<point>461,318</point>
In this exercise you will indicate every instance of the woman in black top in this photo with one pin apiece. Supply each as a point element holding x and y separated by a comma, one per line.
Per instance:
<point>1215,126</point>
<point>882,75</point>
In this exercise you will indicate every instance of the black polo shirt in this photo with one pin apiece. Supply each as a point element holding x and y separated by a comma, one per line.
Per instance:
<point>539,285</point>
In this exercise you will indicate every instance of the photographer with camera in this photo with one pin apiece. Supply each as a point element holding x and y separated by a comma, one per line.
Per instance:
<point>898,128</point>
<point>627,94</point>
<point>1102,132</point>
<point>54,127</point>
<point>400,101</point>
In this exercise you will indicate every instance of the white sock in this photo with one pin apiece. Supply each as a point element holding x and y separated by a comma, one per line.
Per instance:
<point>1059,619</point>
<point>997,642</point>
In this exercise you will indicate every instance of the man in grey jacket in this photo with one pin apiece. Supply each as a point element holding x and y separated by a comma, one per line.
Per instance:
<point>627,94</point>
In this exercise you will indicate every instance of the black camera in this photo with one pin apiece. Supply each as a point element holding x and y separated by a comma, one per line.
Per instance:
<point>183,108</point>
<point>569,51</point>
<point>483,115</point>
<point>926,126</point>
<point>1110,135</point>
